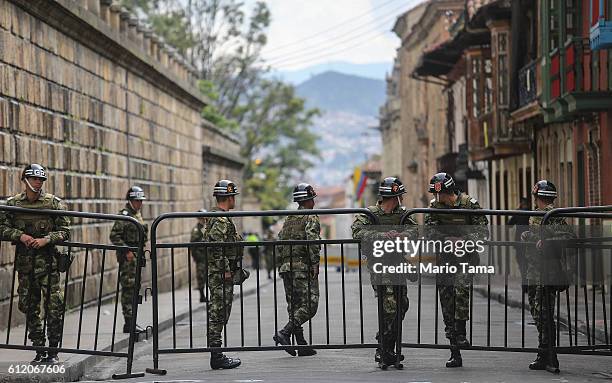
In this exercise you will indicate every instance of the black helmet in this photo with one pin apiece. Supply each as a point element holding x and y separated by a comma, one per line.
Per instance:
<point>442,183</point>
<point>544,188</point>
<point>391,187</point>
<point>34,170</point>
<point>135,193</point>
<point>303,192</point>
<point>225,188</point>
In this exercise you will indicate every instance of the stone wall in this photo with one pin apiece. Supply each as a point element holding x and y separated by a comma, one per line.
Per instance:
<point>103,104</point>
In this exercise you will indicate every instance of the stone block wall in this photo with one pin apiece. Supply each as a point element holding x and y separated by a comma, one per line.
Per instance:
<point>103,104</point>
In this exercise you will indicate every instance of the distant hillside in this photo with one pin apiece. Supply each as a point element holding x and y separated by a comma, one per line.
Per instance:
<point>334,91</point>
<point>370,70</point>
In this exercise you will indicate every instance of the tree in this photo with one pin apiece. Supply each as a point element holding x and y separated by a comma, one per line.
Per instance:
<point>225,46</point>
<point>277,142</point>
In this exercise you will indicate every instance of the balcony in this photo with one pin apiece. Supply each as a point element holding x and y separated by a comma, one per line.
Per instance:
<point>528,91</point>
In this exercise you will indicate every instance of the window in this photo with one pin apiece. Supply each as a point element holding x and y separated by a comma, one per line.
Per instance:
<point>571,27</point>
<point>488,89</point>
<point>475,87</point>
<point>502,69</point>
<point>554,24</point>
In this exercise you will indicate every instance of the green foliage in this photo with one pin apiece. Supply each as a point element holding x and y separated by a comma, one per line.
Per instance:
<point>225,44</point>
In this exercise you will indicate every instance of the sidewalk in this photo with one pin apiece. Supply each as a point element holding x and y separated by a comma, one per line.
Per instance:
<point>76,365</point>
<point>578,314</point>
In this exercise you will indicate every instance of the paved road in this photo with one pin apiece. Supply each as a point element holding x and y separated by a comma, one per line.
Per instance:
<point>357,365</point>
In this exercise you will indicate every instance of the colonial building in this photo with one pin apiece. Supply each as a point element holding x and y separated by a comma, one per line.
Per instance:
<point>412,138</point>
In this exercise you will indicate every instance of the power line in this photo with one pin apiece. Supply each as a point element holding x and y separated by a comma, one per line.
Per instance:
<point>316,58</point>
<point>304,55</point>
<point>345,22</point>
<point>393,13</point>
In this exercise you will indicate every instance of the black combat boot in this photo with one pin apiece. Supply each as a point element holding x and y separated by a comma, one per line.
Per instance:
<point>455,358</point>
<point>461,334</point>
<point>202,296</point>
<point>284,337</point>
<point>540,361</point>
<point>127,324</point>
<point>39,358</point>
<point>299,339</point>
<point>552,364</point>
<point>220,361</point>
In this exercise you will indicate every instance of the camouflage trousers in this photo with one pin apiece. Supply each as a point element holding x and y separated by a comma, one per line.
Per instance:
<point>393,297</point>
<point>302,295</point>
<point>454,291</point>
<point>127,278</point>
<point>37,287</point>
<point>201,270</point>
<point>541,298</point>
<point>219,307</point>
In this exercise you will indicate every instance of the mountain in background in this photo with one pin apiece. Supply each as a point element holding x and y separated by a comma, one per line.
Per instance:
<point>346,128</point>
<point>371,70</point>
<point>334,91</point>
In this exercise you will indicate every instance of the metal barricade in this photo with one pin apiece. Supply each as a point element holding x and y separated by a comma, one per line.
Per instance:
<point>338,290</point>
<point>87,256</point>
<point>492,334</point>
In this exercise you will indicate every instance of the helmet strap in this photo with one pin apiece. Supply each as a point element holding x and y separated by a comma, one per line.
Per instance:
<point>37,191</point>
<point>132,206</point>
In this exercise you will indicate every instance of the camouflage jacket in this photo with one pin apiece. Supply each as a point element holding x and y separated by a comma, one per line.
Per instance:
<point>469,227</point>
<point>362,228</point>
<point>125,233</point>
<point>197,235</point>
<point>222,258</point>
<point>13,225</point>
<point>299,258</point>
<point>554,260</point>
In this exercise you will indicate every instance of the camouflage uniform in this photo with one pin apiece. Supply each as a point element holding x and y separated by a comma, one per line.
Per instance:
<point>454,289</point>
<point>542,288</point>
<point>37,270</point>
<point>125,233</point>
<point>362,231</point>
<point>295,265</point>
<point>220,260</point>
<point>199,255</point>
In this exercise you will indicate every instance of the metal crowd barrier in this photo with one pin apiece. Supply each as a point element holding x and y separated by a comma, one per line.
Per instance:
<point>581,333</point>
<point>243,334</point>
<point>84,253</point>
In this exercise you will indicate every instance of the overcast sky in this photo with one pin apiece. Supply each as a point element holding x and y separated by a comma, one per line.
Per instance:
<point>306,33</point>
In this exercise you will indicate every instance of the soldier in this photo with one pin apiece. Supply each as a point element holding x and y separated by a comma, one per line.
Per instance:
<point>125,233</point>
<point>454,288</point>
<point>299,269</point>
<point>223,264</point>
<point>36,259</point>
<point>389,211</point>
<point>199,255</point>
<point>540,289</point>
<point>269,254</point>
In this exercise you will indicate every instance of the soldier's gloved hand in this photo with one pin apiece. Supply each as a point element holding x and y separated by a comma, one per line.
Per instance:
<point>26,239</point>
<point>314,272</point>
<point>392,234</point>
<point>526,236</point>
<point>129,256</point>
<point>228,276</point>
<point>40,242</point>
